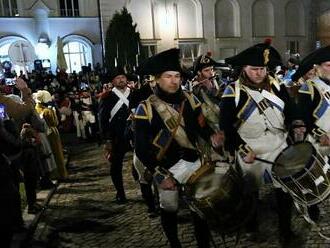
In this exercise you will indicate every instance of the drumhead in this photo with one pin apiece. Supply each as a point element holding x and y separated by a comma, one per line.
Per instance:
<point>293,159</point>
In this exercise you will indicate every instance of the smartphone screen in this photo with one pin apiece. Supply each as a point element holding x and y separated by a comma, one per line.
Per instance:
<point>2,111</point>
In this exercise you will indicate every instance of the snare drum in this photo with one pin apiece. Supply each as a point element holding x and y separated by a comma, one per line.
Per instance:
<point>303,172</point>
<point>220,198</point>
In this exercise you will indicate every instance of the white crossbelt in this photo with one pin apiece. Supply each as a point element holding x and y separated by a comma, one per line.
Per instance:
<point>269,112</point>
<point>122,100</point>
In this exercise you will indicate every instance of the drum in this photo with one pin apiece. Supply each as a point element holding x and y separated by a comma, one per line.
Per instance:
<point>221,197</point>
<point>303,172</point>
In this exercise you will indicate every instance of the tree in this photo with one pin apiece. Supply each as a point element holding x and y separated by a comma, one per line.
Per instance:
<point>122,42</point>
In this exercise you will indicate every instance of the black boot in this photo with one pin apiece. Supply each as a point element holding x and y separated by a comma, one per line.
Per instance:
<point>117,180</point>
<point>148,197</point>
<point>170,227</point>
<point>314,212</point>
<point>252,226</point>
<point>284,209</point>
<point>202,232</point>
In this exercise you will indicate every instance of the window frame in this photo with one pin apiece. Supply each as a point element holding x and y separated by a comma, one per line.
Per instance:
<point>11,10</point>
<point>69,11</point>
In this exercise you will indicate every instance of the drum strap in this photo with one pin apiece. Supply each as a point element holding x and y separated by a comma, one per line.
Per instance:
<point>173,122</point>
<point>173,131</point>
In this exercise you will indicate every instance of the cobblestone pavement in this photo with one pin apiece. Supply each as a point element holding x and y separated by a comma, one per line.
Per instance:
<point>82,213</point>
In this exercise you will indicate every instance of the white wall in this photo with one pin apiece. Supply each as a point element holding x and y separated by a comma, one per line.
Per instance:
<point>59,26</point>
<point>141,12</point>
<point>86,7</point>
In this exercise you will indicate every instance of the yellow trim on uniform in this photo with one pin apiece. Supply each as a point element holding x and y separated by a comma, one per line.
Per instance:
<point>311,86</point>
<point>149,109</point>
<point>310,90</point>
<point>244,107</point>
<point>229,95</point>
<point>194,102</point>
<point>154,142</point>
<point>143,117</point>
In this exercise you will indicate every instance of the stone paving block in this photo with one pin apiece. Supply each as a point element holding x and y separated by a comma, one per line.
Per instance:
<point>88,194</point>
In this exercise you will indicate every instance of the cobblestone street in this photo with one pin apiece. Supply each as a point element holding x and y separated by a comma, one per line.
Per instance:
<point>82,213</point>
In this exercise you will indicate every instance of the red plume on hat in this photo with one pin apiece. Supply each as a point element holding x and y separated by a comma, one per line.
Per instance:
<point>268,41</point>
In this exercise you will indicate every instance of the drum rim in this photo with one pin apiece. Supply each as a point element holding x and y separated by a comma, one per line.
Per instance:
<point>300,173</point>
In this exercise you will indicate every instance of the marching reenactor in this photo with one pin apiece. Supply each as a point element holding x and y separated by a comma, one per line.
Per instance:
<point>208,91</point>
<point>205,79</point>
<point>314,104</point>
<point>113,115</point>
<point>167,125</point>
<point>255,113</point>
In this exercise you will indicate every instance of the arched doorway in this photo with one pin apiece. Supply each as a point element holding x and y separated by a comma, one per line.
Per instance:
<point>78,52</point>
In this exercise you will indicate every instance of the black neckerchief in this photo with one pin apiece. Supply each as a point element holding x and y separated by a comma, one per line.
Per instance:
<point>172,98</point>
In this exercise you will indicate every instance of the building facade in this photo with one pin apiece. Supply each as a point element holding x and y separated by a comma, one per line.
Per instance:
<point>40,22</point>
<point>222,27</point>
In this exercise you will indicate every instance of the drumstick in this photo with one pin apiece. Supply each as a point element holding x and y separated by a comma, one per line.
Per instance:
<point>269,162</point>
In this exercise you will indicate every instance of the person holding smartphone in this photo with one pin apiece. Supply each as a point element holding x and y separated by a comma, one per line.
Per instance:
<point>19,112</point>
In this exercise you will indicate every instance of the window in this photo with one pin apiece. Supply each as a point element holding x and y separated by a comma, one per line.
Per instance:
<point>263,18</point>
<point>293,47</point>
<point>5,43</point>
<point>295,24</point>
<point>8,8</point>
<point>227,18</point>
<point>4,52</point>
<point>69,8</point>
<point>149,50</point>
<point>76,55</point>
<point>189,51</point>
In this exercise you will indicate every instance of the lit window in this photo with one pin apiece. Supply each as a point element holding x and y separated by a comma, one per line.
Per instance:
<point>76,55</point>
<point>8,8</point>
<point>69,8</point>
<point>4,52</point>
<point>5,43</point>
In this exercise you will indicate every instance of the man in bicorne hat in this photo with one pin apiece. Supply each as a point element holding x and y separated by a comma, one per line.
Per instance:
<point>167,125</point>
<point>205,78</point>
<point>255,111</point>
<point>314,104</point>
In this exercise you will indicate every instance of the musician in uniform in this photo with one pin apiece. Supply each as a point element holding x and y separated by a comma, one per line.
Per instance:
<point>140,172</point>
<point>255,112</point>
<point>113,114</point>
<point>205,78</point>
<point>314,104</point>
<point>167,125</point>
